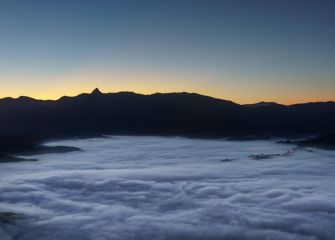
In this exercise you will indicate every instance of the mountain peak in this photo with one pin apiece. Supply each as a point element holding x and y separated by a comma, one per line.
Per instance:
<point>96,92</point>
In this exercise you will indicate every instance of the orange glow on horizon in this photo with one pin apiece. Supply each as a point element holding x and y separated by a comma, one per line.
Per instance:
<point>143,83</point>
<point>54,95</point>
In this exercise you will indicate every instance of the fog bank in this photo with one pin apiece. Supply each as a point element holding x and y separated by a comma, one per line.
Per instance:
<point>171,188</point>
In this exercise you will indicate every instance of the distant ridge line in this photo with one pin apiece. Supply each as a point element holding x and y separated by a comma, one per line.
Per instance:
<point>97,91</point>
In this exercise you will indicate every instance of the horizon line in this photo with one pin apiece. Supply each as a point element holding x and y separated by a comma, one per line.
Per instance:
<point>153,93</point>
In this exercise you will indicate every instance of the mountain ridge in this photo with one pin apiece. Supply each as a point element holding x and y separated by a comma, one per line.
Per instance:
<point>25,120</point>
<point>97,91</point>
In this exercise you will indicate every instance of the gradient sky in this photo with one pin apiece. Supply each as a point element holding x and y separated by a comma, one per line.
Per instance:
<point>245,51</point>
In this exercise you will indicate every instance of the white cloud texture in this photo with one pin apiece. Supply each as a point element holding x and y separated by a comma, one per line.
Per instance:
<point>171,188</point>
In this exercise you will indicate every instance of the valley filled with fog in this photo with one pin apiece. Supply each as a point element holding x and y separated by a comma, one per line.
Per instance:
<point>124,187</point>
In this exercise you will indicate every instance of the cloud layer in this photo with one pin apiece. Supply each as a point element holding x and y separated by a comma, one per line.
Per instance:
<point>171,188</point>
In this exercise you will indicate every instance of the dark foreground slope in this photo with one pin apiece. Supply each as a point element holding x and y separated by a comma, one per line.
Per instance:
<point>24,121</point>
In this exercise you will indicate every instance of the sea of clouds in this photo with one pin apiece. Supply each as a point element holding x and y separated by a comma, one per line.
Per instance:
<point>134,188</point>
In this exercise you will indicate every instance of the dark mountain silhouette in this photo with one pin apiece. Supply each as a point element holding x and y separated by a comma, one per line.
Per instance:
<point>325,142</point>
<point>25,121</point>
<point>262,104</point>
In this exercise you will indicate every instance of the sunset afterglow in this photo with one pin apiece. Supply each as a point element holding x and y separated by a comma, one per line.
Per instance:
<point>237,50</point>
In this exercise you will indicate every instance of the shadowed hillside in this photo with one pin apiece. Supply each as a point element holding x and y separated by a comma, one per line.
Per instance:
<point>25,120</point>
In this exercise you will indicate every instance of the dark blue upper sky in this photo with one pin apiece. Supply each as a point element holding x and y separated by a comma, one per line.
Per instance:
<point>241,50</point>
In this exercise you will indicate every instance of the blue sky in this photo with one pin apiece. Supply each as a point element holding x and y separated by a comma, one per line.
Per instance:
<point>245,51</point>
